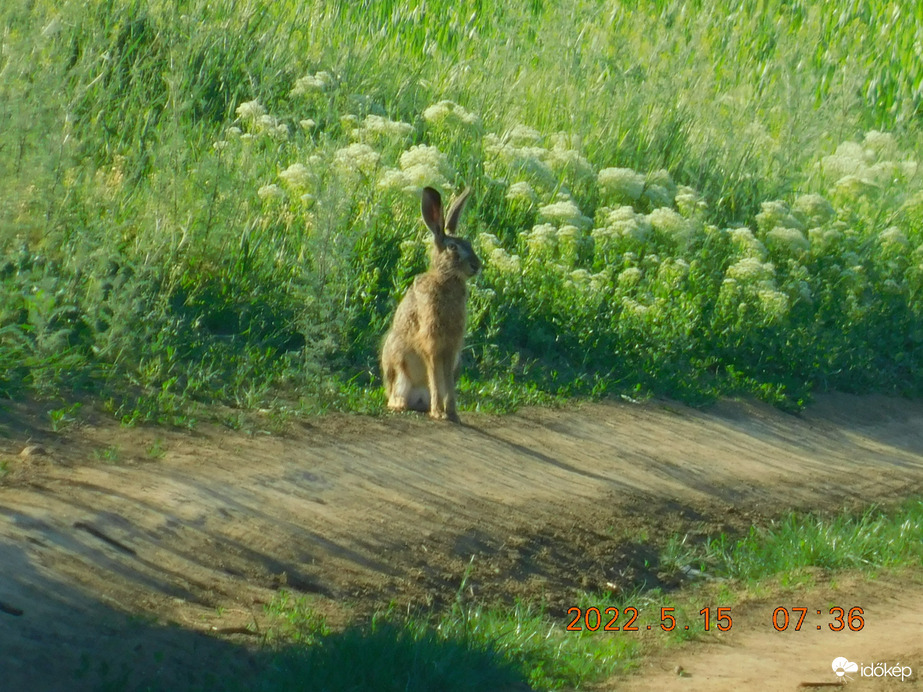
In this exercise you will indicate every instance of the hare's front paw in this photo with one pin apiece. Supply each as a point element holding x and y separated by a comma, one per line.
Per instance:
<point>397,404</point>
<point>445,415</point>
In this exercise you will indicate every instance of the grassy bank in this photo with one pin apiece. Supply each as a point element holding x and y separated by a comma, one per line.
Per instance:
<point>218,202</point>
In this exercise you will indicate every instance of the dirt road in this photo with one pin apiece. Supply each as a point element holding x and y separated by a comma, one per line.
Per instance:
<point>194,532</point>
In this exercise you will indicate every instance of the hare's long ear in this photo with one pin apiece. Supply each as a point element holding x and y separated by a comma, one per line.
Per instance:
<point>455,210</point>
<point>432,214</point>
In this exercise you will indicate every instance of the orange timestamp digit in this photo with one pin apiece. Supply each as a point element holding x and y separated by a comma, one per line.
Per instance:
<point>592,619</point>
<point>597,619</point>
<point>842,619</point>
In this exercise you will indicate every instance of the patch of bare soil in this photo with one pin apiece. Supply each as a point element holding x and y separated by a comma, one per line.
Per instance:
<point>132,545</point>
<point>886,646</point>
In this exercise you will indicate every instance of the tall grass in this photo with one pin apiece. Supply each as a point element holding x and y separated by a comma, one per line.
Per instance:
<point>216,201</point>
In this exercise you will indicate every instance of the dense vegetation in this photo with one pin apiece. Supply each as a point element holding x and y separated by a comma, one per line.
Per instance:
<point>218,201</point>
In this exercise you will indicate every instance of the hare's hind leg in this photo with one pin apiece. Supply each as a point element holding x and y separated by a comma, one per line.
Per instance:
<point>406,384</point>
<point>395,387</point>
<point>400,388</point>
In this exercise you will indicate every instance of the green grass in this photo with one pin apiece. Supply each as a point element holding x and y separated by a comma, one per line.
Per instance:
<point>163,250</point>
<point>468,648</point>
<point>872,540</point>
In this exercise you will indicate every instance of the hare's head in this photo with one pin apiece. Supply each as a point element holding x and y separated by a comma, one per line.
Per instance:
<point>451,255</point>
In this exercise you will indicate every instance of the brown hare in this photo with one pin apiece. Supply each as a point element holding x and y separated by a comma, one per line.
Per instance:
<point>420,354</point>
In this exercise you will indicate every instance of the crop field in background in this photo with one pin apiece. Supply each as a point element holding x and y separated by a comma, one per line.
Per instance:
<point>218,202</point>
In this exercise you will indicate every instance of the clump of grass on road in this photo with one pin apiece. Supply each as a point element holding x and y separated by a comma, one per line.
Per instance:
<point>873,540</point>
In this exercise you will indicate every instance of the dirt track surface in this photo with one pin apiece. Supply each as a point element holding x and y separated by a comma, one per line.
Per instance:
<point>111,537</point>
<point>753,655</point>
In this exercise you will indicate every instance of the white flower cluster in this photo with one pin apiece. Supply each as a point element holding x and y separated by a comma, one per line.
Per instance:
<point>420,166</point>
<point>519,151</point>
<point>671,224</point>
<point>510,155</point>
<point>672,272</point>
<point>250,111</point>
<point>621,222</point>
<point>449,114</point>
<point>776,213</point>
<point>630,277</point>
<point>521,192</point>
<point>478,294</point>
<point>747,244</point>
<point>660,189</point>
<point>270,192</point>
<point>257,121</point>
<point>319,81</point>
<point>571,240</point>
<point>751,280</point>
<point>790,240</point>
<point>541,241</point>
<point>823,240</point>
<point>750,270</point>
<point>635,309</point>
<point>893,237</point>
<point>565,158</point>
<point>545,242</point>
<point>851,187</point>
<point>812,210</point>
<point>297,176</point>
<point>379,127</point>
<point>783,228</point>
<point>881,144</point>
<point>394,179</point>
<point>523,135</point>
<point>487,243</point>
<point>578,278</point>
<point>505,262</point>
<point>627,186</point>
<point>866,168</point>
<point>356,159</point>
<point>588,285</point>
<point>425,164</point>
<point>689,202</point>
<point>564,212</point>
<point>620,184</point>
<point>774,303</point>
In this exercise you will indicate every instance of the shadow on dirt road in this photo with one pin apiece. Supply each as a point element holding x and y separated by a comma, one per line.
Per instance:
<point>201,530</point>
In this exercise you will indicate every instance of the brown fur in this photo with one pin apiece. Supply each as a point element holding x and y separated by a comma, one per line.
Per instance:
<point>420,354</point>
